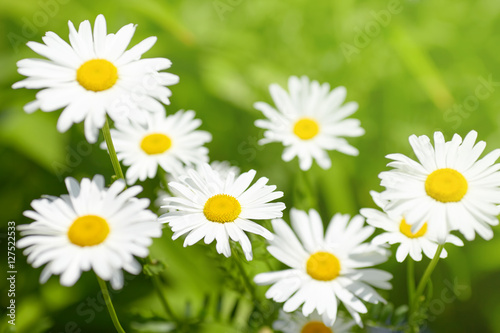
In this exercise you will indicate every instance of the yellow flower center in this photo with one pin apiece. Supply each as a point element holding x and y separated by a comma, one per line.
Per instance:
<point>315,327</point>
<point>405,229</point>
<point>88,230</point>
<point>222,208</point>
<point>446,185</point>
<point>306,128</point>
<point>97,75</point>
<point>323,266</point>
<point>155,143</point>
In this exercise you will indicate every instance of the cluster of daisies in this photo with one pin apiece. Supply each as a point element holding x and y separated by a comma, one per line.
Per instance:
<point>329,264</point>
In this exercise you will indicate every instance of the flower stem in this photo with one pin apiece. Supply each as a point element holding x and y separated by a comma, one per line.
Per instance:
<point>119,173</point>
<point>162,174</point>
<point>411,280</point>
<point>414,302</point>
<point>411,292</point>
<point>304,190</point>
<point>428,272</point>
<point>109,305</point>
<point>111,149</point>
<point>248,283</point>
<point>163,300</point>
<point>261,308</point>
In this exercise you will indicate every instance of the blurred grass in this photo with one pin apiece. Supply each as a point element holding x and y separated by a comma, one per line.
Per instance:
<point>405,80</point>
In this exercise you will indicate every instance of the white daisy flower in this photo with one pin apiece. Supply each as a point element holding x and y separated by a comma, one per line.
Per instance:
<point>207,205</point>
<point>223,168</point>
<point>449,188</point>
<point>309,121</point>
<point>398,231</point>
<point>166,141</point>
<point>325,269</point>
<point>94,75</point>
<point>91,228</point>
<point>297,323</point>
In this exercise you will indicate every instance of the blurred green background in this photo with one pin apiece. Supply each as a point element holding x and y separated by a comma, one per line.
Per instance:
<point>413,66</point>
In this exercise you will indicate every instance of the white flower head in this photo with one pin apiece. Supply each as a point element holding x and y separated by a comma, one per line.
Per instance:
<point>309,120</point>
<point>325,269</point>
<point>94,75</point>
<point>92,227</point>
<point>398,231</point>
<point>169,142</point>
<point>296,322</point>
<point>449,188</point>
<point>207,205</point>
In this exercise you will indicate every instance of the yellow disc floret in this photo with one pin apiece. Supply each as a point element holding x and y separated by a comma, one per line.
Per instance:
<point>97,75</point>
<point>88,230</point>
<point>306,128</point>
<point>315,327</point>
<point>155,143</point>
<point>222,208</point>
<point>405,229</point>
<point>323,266</point>
<point>446,185</point>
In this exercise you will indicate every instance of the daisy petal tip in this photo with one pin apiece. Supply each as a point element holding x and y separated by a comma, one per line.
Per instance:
<point>269,236</point>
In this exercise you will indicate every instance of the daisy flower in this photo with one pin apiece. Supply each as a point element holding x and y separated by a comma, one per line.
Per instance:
<point>309,121</point>
<point>325,269</point>
<point>210,206</point>
<point>398,231</point>
<point>166,141</point>
<point>297,323</point>
<point>94,75</point>
<point>91,228</point>
<point>449,188</point>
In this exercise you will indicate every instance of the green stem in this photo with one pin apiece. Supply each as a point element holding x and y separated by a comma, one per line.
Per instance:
<point>112,152</point>
<point>414,303</point>
<point>258,305</point>
<point>248,283</point>
<point>119,173</point>
<point>304,197</point>
<point>411,290</point>
<point>163,179</point>
<point>411,279</point>
<point>163,300</point>
<point>109,305</point>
